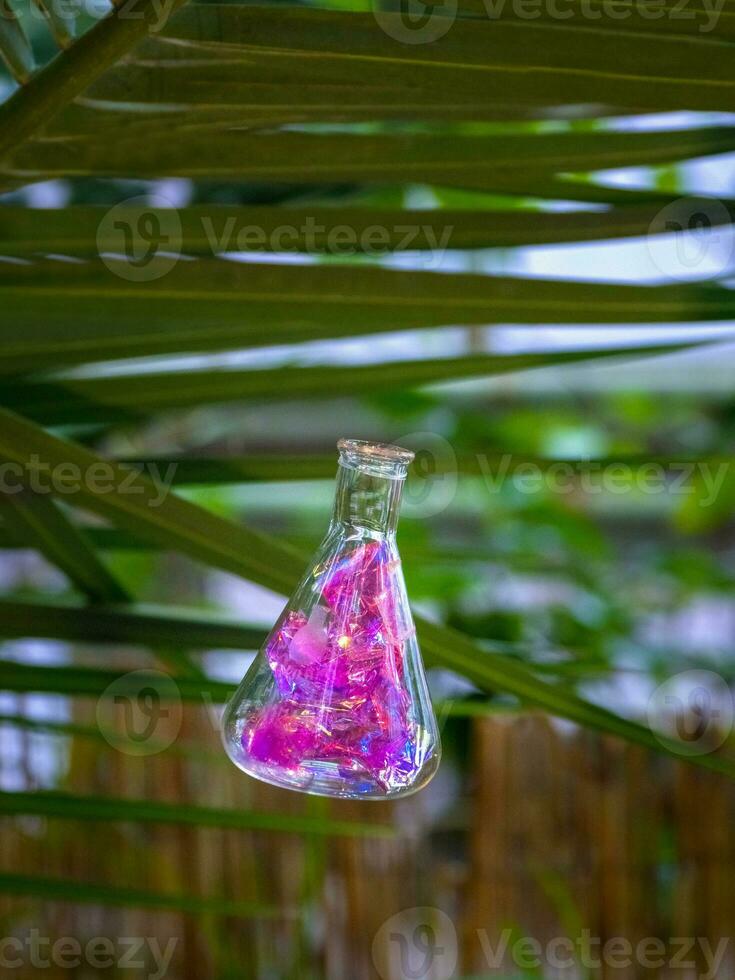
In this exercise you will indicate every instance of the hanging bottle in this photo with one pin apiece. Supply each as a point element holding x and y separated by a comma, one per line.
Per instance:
<point>336,702</point>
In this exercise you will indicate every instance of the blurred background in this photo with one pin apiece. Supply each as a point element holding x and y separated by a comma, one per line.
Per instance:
<point>562,364</point>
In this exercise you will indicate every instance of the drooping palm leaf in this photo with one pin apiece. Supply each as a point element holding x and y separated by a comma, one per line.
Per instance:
<point>259,52</point>
<point>81,230</point>
<point>280,467</point>
<point>76,807</point>
<point>130,397</point>
<point>66,313</point>
<point>139,507</point>
<point>483,162</point>
<point>291,64</point>
<point>134,624</point>
<point>96,682</point>
<point>36,521</point>
<point>63,890</point>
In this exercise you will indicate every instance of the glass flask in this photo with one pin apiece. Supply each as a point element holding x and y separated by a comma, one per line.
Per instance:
<point>336,702</point>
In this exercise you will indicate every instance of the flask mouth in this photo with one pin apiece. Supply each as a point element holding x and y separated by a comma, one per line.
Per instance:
<point>378,458</point>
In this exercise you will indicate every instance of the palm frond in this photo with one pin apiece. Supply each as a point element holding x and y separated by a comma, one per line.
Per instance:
<point>65,313</point>
<point>46,92</point>
<point>63,890</point>
<point>36,521</point>
<point>67,806</point>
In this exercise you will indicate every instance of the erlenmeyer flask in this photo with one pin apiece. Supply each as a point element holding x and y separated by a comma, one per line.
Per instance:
<point>336,702</point>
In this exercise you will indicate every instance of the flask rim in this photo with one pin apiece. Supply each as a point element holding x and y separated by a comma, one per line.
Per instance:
<point>387,459</point>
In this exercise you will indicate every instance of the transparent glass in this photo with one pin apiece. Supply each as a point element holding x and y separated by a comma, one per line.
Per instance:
<point>336,702</point>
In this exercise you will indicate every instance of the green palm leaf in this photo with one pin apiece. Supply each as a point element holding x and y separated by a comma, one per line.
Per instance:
<point>135,624</point>
<point>264,54</point>
<point>63,890</point>
<point>70,72</point>
<point>65,806</point>
<point>280,467</point>
<point>127,397</point>
<point>65,313</point>
<point>36,521</point>
<point>464,161</point>
<point>15,49</point>
<point>81,230</point>
<point>95,682</point>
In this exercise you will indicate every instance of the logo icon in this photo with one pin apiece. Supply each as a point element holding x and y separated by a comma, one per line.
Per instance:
<point>692,237</point>
<point>140,239</point>
<point>416,944</point>
<point>140,712</point>
<point>416,21</point>
<point>432,479</point>
<point>692,713</point>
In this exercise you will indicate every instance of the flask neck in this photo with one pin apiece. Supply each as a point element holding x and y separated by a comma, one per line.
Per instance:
<point>367,497</point>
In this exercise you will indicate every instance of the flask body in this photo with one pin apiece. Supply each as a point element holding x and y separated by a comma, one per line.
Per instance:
<point>336,702</point>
